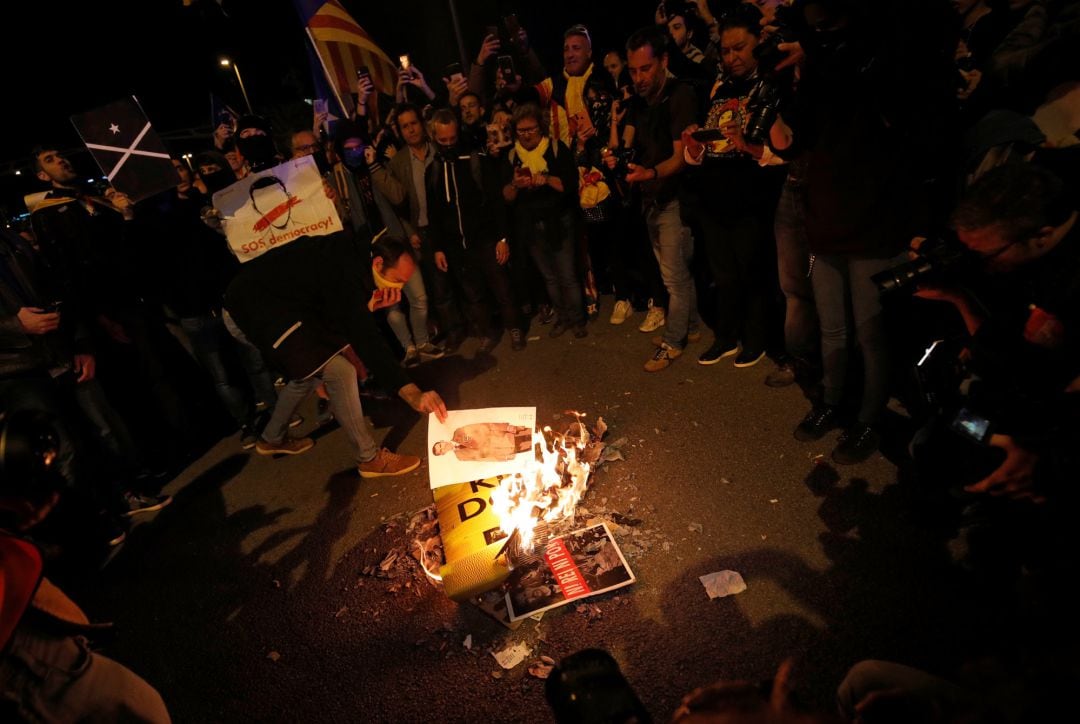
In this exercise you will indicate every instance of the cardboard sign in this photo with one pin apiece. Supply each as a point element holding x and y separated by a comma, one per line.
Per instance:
<point>124,145</point>
<point>274,207</point>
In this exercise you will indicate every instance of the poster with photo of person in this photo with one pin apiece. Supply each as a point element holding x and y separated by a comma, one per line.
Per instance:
<point>479,444</point>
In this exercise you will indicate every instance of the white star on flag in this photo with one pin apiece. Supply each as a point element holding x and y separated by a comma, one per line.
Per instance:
<point>114,128</point>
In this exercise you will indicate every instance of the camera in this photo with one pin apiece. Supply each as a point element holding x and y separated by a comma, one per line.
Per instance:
<point>624,157</point>
<point>769,94</point>
<point>936,259</point>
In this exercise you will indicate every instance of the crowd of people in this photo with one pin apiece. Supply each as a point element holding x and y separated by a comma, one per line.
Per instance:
<point>878,197</point>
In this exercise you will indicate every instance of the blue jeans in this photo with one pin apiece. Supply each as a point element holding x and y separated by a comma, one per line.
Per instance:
<point>208,337</point>
<point>339,376</point>
<point>793,266</point>
<point>416,294</point>
<point>673,246</point>
<point>840,281</point>
<point>558,267</point>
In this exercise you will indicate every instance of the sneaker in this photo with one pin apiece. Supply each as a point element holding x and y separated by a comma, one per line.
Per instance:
<point>621,311</point>
<point>296,420</point>
<point>135,503</point>
<point>817,422</point>
<point>388,463</point>
<point>691,337</point>
<point>430,350</point>
<point>781,376</point>
<point>557,330</point>
<point>748,359</point>
<point>323,414</point>
<point>718,351</point>
<point>546,314</point>
<point>288,446</point>
<point>412,357</point>
<point>580,331</point>
<point>654,319</point>
<point>664,355</point>
<point>486,345</point>
<point>517,339</point>
<point>856,444</point>
<point>248,438</point>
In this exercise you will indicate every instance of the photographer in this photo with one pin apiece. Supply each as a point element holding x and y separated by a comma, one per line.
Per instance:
<point>739,180</point>
<point>47,670</point>
<point>1020,225</point>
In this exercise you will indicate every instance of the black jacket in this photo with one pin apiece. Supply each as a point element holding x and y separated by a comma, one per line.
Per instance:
<point>465,203</point>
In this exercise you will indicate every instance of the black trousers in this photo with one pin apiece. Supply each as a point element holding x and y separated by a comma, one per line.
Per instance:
<point>440,288</point>
<point>480,278</point>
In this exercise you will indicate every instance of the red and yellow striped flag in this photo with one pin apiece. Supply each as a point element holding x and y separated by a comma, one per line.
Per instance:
<point>344,46</point>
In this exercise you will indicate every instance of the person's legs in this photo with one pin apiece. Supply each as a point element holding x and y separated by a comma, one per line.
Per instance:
<point>58,678</point>
<point>793,267</point>
<point>723,265</point>
<point>545,264</point>
<point>566,273</point>
<point>871,334</point>
<point>290,398</point>
<point>915,694</point>
<point>497,277</point>
<point>674,246</point>
<point>339,376</point>
<point>252,360</point>
<point>206,335</point>
<point>399,326</point>
<point>439,283</point>
<point>110,427</point>
<point>417,296</point>
<point>748,244</point>
<point>474,294</point>
<point>830,282</point>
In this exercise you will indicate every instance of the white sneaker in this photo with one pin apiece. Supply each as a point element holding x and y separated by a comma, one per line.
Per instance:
<point>654,319</point>
<point>621,311</point>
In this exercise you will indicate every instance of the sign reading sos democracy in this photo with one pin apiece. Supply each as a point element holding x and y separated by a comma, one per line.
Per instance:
<point>271,208</point>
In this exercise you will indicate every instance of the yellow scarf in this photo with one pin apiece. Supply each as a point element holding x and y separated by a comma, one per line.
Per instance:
<point>575,91</point>
<point>534,159</point>
<point>383,283</point>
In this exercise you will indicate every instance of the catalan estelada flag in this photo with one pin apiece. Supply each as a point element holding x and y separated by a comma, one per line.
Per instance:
<point>343,46</point>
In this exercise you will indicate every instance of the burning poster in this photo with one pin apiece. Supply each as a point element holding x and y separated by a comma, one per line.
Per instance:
<point>479,444</point>
<point>577,565</point>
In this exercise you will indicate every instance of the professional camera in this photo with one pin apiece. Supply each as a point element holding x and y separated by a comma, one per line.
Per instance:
<point>935,260</point>
<point>624,156</point>
<point>599,103</point>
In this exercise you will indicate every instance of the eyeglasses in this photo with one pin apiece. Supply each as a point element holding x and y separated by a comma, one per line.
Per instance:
<point>527,130</point>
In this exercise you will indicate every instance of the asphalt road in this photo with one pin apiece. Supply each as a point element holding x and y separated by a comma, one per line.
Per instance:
<point>246,599</point>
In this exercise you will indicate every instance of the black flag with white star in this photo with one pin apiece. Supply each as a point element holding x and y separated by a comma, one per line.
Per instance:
<point>130,154</point>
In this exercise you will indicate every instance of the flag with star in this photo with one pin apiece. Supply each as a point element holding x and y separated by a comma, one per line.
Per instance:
<point>123,143</point>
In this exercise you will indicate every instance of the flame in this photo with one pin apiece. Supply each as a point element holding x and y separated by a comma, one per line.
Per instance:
<point>432,575</point>
<point>549,488</point>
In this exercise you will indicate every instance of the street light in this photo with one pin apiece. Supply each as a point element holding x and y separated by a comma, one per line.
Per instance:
<point>225,63</point>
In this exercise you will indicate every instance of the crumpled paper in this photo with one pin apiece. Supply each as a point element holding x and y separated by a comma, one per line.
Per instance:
<point>722,583</point>
<point>512,655</point>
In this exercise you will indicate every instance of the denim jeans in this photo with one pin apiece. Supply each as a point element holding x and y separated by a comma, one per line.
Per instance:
<point>339,376</point>
<point>841,280</point>
<point>416,294</point>
<point>793,266</point>
<point>51,677</point>
<point>558,267</point>
<point>673,246</point>
<point>208,337</point>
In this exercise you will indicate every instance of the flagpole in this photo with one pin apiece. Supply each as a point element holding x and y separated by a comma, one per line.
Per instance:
<point>457,36</point>
<point>326,72</point>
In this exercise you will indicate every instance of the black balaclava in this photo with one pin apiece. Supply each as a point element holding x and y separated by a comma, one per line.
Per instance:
<point>221,178</point>
<point>258,150</point>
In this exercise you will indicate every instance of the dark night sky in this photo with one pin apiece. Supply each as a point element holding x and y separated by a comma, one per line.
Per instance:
<point>65,58</point>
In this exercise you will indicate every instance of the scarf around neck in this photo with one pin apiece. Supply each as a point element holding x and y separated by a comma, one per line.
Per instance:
<point>534,159</point>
